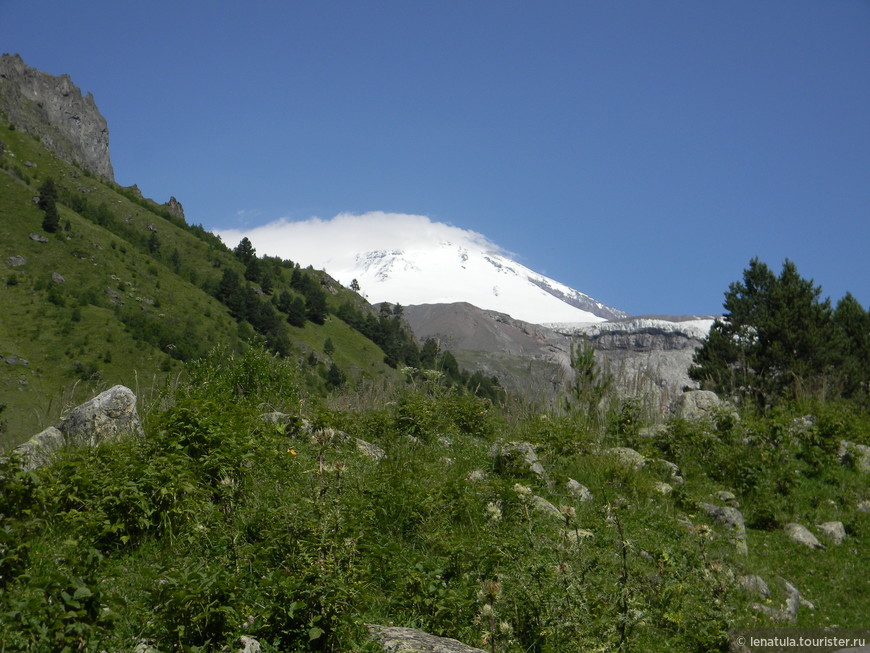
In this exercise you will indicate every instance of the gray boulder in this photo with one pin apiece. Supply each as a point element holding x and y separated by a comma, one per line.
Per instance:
<point>545,507</point>
<point>16,261</point>
<point>40,449</point>
<point>699,405</point>
<point>732,520</point>
<point>670,471</point>
<point>516,458</point>
<point>857,455</point>
<point>578,491</point>
<point>834,530</point>
<point>755,584</point>
<point>627,456</point>
<point>802,535</point>
<point>409,640</point>
<point>111,415</point>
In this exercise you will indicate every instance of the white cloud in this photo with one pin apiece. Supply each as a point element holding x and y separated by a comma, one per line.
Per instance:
<point>334,243</point>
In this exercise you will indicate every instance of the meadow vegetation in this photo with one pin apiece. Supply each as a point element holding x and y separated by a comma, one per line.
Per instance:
<point>219,523</point>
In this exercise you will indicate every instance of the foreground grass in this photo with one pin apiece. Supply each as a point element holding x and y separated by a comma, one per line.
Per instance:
<point>219,524</point>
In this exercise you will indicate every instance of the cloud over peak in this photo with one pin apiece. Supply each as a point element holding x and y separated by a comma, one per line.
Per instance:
<point>336,242</point>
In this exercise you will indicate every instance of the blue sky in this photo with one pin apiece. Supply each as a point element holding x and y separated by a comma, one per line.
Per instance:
<point>641,152</point>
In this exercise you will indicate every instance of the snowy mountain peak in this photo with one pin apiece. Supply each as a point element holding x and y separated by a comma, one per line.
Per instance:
<point>409,259</point>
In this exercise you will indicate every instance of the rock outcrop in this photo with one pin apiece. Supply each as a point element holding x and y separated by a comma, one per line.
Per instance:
<point>53,108</point>
<point>109,416</point>
<point>409,640</point>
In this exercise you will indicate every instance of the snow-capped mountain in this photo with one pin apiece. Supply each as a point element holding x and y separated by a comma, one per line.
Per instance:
<point>410,259</point>
<point>446,272</point>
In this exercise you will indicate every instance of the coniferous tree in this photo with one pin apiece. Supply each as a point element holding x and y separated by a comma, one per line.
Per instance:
<point>774,340</point>
<point>48,204</point>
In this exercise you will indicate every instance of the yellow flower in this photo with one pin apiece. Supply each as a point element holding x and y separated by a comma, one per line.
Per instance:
<point>292,452</point>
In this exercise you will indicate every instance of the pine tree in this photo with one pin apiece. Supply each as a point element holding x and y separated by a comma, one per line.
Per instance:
<point>774,340</point>
<point>48,204</point>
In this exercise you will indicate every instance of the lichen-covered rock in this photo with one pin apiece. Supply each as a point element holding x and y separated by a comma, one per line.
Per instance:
<point>370,450</point>
<point>627,456</point>
<point>755,584</point>
<point>410,640</point>
<point>516,458</point>
<point>16,261</point>
<point>802,535</point>
<point>545,507</point>
<point>110,415</point>
<point>698,405</point>
<point>578,491</point>
<point>731,519</point>
<point>834,530</point>
<point>40,449</point>
<point>857,455</point>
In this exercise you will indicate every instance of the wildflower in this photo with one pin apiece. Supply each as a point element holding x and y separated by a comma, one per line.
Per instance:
<point>493,511</point>
<point>522,490</point>
<point>505,628</point>
<point>292,452</point>
<point>487,610</point>
<point>569,511</point>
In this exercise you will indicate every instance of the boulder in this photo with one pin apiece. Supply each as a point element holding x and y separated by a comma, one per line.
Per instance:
<point>698,405</point>
<point>755,584</point>
<point>410,640</point>
<point>38,238</point>
<point>545,507</point>
<point>516,458</point>
<point>627,456</point>
<point>669,470</point>
<point>578,491</point>
<point>111,415</point>
<point>732,519</point>
<point>802,535</point>
<point>57,278</point>
<point>370,450</point>
<point>40,449</point>
<point>857,455</point>
<point>834,530</point>
<point>16,261</point>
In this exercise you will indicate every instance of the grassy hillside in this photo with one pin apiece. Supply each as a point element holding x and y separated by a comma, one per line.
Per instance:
<point>135,295</point>
<point>218,524</point>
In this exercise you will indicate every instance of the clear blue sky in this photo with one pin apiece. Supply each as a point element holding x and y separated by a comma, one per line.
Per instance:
<point>641,152</point>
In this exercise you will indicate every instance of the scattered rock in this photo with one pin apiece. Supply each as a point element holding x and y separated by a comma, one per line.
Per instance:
<point>725,496</point>
<point>802,535</point>
<point>857,455</point>
<point>40,449</point>
<point>834,530</point>
<point>787,612</point>
<point>863,506</point>
<point>57,278</point>
<point>409,640</point>
<point>370,450</point>
<point>516,458</point>
<point>145,646</point>
<point>248,645</point>
<point>16,261</point>
<point>627,456</point>
<point>275,417</point>
<point>732,519</point>
<point>670,470</point>
<point>699,405</point>
<point>663,488</point>
<point>29,164</point>
<point>578,491</point>
<point>543,506</point>
<point>16,360</point>
<point>38,238</point>
<point>755,584</point>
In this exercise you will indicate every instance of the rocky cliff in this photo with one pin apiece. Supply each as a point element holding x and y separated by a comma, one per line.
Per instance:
<point>648,356</point>
<point>54,109</point>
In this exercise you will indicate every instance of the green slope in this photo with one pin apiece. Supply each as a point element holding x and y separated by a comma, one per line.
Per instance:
<point>136,297</point>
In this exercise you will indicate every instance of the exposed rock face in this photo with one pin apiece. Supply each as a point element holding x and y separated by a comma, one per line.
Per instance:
<point>410,640</point>
<point>108,416</point>
<point>54,109</point>
<point>644,354</point>
<point>175,208</point>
